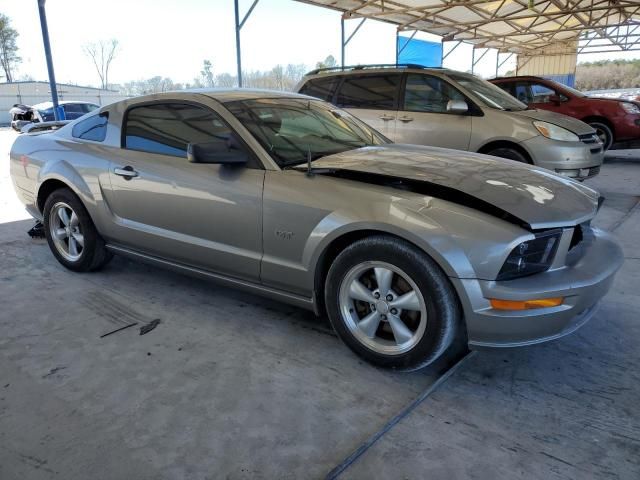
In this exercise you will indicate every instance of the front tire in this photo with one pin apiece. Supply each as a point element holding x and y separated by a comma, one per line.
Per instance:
<point>71,235</point>
<point>391,303</point>
<point>510,154</point>
<point>604,133</point>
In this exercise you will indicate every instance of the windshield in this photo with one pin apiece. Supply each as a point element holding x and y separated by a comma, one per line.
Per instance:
<point>293,129</point>
<point>491,95</point>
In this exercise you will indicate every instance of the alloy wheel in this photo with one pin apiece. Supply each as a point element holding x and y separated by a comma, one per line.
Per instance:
<point>66,231</point>
<point>383,307</point>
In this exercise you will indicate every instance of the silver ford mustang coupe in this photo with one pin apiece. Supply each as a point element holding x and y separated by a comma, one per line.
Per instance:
<point>403,247</point>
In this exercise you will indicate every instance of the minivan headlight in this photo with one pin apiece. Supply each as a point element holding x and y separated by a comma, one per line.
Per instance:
<point>532,256</point>
<point>630,107</point>
<point>554,132</point>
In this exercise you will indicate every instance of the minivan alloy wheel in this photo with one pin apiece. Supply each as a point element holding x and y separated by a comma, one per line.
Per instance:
<point>66,231</point>
<point>383,307</point>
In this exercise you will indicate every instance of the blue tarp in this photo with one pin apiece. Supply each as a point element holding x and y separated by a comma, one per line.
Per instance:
<point>420,52</point>
<point>568,79</point>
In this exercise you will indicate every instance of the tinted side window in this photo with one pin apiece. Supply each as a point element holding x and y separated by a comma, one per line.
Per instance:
<point>168,128</point>
<point>47,115</point>
<point>425,93</point>
<point>372,91</point>
<point>321,88</point>
<point>522,91</point>
<point>73,110</point>
<point>93,128</point>
<point>541,93</point>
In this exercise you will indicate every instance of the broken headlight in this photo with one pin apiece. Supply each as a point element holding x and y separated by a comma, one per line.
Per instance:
<point>532,256</point>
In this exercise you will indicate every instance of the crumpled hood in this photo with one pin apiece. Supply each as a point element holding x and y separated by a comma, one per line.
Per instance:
<point>572,124</point>
<point>533,195</point>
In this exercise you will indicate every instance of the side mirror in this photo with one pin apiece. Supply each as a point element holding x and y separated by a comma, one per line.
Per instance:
<point>556,99</point>
<point>457,106</point>
<point>224,153</point>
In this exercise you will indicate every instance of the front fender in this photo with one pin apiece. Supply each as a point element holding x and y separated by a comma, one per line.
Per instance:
<point>465,243</point>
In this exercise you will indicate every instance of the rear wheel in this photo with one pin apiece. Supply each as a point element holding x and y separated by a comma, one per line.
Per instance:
<point>509,153</point>
<point>604,134</point>
<point>71,235</point>
<point>391,303</point>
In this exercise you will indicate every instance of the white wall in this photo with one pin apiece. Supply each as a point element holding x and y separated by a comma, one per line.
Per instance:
<point>30,93</point>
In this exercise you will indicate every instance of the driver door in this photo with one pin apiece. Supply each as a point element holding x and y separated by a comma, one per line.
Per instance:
<point>204,215</point>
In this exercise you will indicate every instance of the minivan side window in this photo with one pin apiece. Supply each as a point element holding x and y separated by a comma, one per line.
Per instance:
<point>93,128</point>
<point>370,91</point>
<point>425,93</point>
<point>321,88</point>
<point>167,129</point>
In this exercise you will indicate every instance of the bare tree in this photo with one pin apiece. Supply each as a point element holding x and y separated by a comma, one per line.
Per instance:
<point>102,54</point>
<point>8,48</point>
<point>207,74</point>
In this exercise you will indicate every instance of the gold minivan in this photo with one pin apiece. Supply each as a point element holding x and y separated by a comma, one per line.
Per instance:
<point>439,107</point>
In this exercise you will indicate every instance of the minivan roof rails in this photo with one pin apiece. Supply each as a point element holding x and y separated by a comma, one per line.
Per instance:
<point>364,67</point>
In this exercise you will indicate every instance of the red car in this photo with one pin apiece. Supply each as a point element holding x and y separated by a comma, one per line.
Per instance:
<point>614,120</point>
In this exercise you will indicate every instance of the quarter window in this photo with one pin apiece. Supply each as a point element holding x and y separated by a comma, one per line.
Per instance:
<point>93,128</point>
<point>372,91</point>
<point>321,88</point>
<point>424,93</point>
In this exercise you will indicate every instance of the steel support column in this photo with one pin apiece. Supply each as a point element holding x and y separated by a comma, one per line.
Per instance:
<point>474,62</point>
<point>58,113</point>
<point>344,42</point>
<point>239,24</point>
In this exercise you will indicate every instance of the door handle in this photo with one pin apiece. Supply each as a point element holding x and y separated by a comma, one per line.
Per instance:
<point>386,118</point>
<point>405,119</point>
<point>127,172</point>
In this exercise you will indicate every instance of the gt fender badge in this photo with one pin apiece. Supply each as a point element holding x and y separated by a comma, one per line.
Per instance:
<point>284,235</point>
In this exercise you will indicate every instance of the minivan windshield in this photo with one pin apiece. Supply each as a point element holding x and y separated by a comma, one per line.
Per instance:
<point>294,129</point>
<point>491,95</point>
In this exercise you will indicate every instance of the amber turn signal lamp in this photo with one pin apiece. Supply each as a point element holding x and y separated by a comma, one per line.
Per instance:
<point>525,304</point>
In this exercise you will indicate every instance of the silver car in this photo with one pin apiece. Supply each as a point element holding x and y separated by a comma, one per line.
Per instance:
<point>445,108</point>
<point>287,196</point>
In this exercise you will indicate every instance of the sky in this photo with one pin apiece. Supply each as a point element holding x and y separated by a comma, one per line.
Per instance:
<point>171,38</point>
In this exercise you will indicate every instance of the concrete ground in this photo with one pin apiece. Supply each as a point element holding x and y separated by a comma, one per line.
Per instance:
<point>230,385</point>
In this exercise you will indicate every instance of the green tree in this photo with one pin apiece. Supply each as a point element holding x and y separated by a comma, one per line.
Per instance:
<point>328,62</point>
<point>9,58</point>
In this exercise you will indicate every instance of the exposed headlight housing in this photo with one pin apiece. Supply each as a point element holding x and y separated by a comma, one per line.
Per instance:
<point>554,132</point>
<point>630,107</point>
<point>532,256</point>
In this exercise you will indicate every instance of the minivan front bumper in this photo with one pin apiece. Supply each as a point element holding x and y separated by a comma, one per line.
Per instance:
<point>582,284</point>
<point>577,160</point>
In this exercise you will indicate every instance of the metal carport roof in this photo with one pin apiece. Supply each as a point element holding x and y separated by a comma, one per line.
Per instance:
<point>519,26</point>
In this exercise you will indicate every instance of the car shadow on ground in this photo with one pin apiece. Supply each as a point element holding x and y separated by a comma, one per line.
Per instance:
<point>227,381</point>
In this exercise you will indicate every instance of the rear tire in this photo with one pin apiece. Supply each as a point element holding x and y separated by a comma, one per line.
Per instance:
<point>604,133</point>
<point>71,234</point>
<point>391,303</point>
<point>510,154</point>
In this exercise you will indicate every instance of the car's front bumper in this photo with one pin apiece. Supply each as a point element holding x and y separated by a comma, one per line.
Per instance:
<point>577,160</point>
<point>582,282</point>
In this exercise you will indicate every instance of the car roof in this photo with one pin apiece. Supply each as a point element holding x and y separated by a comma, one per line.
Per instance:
<point>225,95</point>
<point>520,77</point>
<point>375,68</point>
<point>45,105</point>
